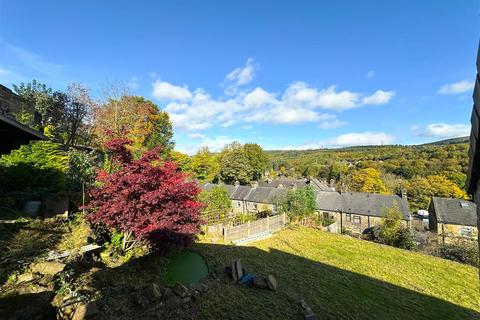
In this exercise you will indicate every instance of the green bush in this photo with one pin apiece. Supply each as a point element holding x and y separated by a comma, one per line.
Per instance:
<point>461,251</point>
<point>299,203</point>
<point>404,239</point>
<point>36,168</point>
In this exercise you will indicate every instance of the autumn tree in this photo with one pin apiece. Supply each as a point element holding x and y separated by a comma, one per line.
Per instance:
<point>76,111</point>
<point>257,159</point>
<point>145,199</point>
<point>137,119</point>
<point>235,165</point>
<point>421,190</point>
<point>63,116</point>
<point>367,180</point>
<point>204,165</point>
<point>183,161</point>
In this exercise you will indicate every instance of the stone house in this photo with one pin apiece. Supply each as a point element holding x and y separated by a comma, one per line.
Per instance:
<point>13,134</point>
<point>357,211</point>
<point>251,199</point>
<point>453,219</point>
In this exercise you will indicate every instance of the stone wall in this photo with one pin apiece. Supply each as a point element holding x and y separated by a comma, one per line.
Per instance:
<point>10,103</point>
<point>450,232</point>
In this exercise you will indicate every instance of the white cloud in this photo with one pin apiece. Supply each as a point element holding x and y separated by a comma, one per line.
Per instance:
<point>166,91</point>
<point>457,87</point>
<point>370,74</point>
<point>301,94</point>
<point>197,135</point>
<point>258,98</point>
<point>242,75</point>
<point>443,130</point>
<point>331,124</point>
<point>348,140</point>
<point>379,97</point>
<point>298,103</point>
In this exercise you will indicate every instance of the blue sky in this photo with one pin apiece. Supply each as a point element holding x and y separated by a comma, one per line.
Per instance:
<point>284,74</point>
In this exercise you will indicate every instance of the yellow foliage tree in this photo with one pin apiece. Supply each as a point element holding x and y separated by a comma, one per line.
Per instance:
<point>368,180</point>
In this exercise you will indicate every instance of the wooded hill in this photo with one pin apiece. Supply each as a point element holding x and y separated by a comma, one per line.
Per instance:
<point>439,166</point>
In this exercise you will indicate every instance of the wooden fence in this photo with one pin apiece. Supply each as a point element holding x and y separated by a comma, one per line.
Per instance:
<point>255,229</point>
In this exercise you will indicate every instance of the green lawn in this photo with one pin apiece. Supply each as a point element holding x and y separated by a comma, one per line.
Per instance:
<point>340,278</point>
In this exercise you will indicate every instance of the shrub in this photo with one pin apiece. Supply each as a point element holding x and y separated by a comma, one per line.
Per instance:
<point>299,203</point>
<point>391,231</point>
<point>145,199</point>
<point>404,239</point>
<point>37,167</point>
<point>216,201</point>
<point>460,251</point>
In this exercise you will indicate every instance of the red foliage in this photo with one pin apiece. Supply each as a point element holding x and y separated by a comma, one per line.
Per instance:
<point>151,201</point>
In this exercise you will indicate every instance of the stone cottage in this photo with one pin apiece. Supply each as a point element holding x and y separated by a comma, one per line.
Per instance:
<point>251,199</point>
<point>453,219</point>
<point>357,211</point>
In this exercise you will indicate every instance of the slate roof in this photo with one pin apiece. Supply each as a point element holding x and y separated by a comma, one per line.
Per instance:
<point>370,204</point>
<point>247,193</point>
<point>240,192</point>
<point>373,204</point>
<point>329,201</point>
<point>320,185</point>
<point>455,211</point>
<point>298,183</point>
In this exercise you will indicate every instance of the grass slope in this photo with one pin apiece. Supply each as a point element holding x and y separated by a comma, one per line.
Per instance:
<point>340,278</point>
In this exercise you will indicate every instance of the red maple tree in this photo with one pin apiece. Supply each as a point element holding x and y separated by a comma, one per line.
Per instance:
<point>145,199</point>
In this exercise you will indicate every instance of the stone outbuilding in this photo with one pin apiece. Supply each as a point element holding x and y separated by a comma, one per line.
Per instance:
<point>453,219</point>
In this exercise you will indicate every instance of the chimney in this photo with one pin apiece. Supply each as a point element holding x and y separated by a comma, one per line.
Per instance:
<point>254,184</point>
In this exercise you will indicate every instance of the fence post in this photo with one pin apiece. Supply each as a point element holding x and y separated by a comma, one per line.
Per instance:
<point>283,218</point>
<point>225,234</point>
<point>268,223</point>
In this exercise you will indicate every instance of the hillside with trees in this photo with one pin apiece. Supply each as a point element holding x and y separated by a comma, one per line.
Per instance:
<point>422,171</point>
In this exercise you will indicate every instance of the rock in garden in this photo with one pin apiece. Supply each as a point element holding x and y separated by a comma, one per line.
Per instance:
<point>195,286</point>
<point>48,268</point>
<point>180,290</point>
<point>25,277</point>
<point>239,269</point>
<point>260,282</point>
<point>85,311</point>
<point>234,272</point>
<point>271,282</point>
<point>152,291</point>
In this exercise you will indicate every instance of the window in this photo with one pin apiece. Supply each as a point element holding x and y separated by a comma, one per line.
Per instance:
<point>357,220</point>
<point>466,232</point>
<point>348,217</point>
<point>238,204</point>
